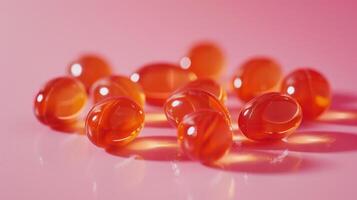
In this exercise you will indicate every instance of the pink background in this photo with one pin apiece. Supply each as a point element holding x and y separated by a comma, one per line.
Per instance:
<point>38,38</point>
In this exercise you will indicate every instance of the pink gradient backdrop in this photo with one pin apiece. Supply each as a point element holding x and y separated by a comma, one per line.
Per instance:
<point>38,38</point>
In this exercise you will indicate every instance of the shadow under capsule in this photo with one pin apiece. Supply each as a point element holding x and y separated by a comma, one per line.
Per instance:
<point>343,110</point>
<point>341,100</point>
<point>309,141</point>
<point>339,117</point>
<point>255,161</point>
<point>156,119</point>
<point>73,127</point>
<point>242,159</point>
<point>154,148</point>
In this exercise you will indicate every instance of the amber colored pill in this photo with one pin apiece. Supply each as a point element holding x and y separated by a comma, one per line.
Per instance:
<point>255,77</point>
<point>205,135</point>
<point>60,102</point>
<point>206,60</point>
<point>191,100</point>
<point>311,89</point>
<point>159,80</point>
<point>271,116</point>
<point>114,122</point>
<point>88,69</point>
<point>116,86</point>
<point>207,85</point>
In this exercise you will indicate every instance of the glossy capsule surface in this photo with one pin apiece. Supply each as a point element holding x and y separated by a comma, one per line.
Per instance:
<point>88,69</point>
<point>208,85</point>
<point>255,77</point>
<point>311,89</point>
<point>60,102</point>
<point>191,100</point>
<point>159,80</point>
<point>205,135</point>
<point>271,116</point>
<point>116,86</point>
<point>114,122</point>
<point>205,59</point>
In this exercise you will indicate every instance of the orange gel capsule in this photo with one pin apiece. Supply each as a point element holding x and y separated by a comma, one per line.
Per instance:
<point>60,102</point>
<point>116,86</point>
<point>88,69</point>
<point>114,122</point>
<point>255,77</point>
<point>205,135</point>
<point>310,89</point>
<point>191,100</point>
<point>160,80</point>
<point>271,116</point>
<point>207,85</point>
<point>206,60</point>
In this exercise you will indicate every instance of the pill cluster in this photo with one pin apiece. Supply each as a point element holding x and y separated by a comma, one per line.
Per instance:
<point>191,97</point>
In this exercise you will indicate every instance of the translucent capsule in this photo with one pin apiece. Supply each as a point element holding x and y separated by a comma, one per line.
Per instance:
<point>88,69</point>
<point>206,60</point>
<point>191,100</point>
<point>207,85</point>
<point>205,135</point>
<point>114,122</point>
<point>159,80</point>
<point>60,102</point>
<point>116,86</point>
<point>271,116</point>
<point>255,77</point>
<point>310,89</point>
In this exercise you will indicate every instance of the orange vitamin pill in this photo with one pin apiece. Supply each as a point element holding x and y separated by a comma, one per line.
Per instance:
<point>311,89</point>
<point>114,122</point>
<point>116,86</point>
<point>60,102</point>
<point>191,100</point>
<point>255,77</point>
<point>88,69</point>
<point>271,116</point>
<point>159,80</point>
<point>205,135</point>
<point>206,60</point>
<point>207,85</point>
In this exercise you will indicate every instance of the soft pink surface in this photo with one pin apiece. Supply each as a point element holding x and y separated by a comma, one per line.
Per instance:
<point>38,39</point>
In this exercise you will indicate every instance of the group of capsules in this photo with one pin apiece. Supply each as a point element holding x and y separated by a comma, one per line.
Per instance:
<point>192,99</point>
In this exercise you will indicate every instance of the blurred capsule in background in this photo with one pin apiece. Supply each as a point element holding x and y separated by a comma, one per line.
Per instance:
<point>206,60</point>
<point>116,86</point>
<point>88,69</point>
<point>271,116</point>
<point>255,77</point>
<point>207,85</point>
<point>60,102</point>
<point>159,80</point>
<point>311,89</point>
